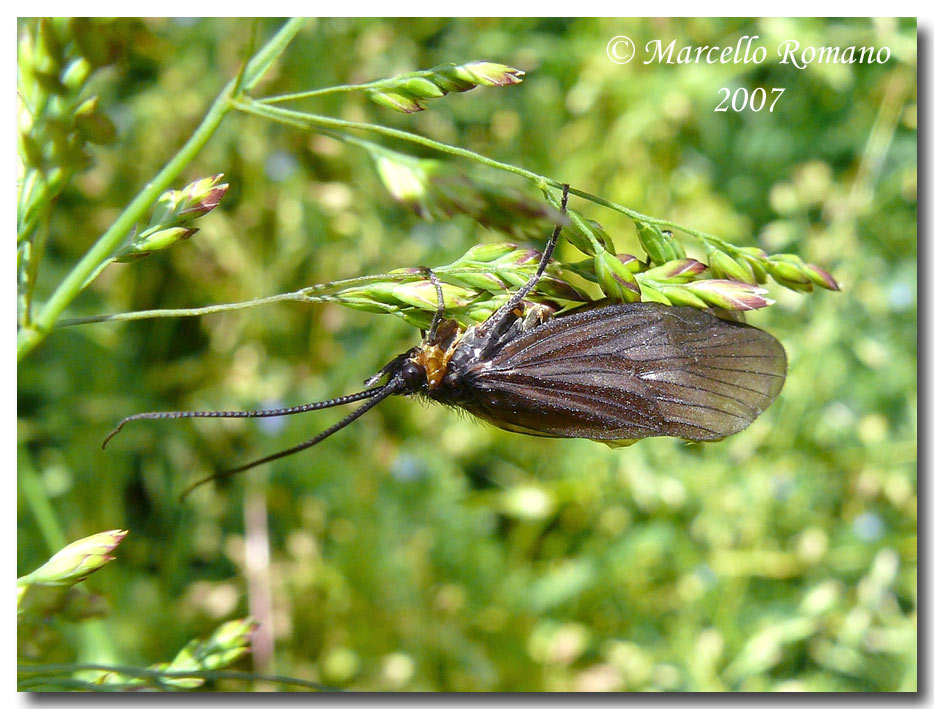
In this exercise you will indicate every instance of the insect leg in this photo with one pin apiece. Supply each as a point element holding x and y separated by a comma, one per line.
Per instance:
<point>496,319</point>
<point>439,313</point>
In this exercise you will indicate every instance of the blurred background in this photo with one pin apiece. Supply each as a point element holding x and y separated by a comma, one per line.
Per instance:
<point>423,550</point>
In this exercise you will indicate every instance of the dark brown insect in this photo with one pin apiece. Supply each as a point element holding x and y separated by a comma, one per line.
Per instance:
<point>616,373</point>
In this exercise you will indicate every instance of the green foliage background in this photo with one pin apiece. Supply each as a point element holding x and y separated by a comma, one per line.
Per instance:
<point>420,549</point>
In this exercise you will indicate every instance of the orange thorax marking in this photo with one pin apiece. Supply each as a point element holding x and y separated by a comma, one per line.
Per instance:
<point>434,359</point>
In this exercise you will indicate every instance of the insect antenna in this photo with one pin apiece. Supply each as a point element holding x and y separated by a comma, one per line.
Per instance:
<point>349,399</point>
<point>391,387</point>
<point>497,317</point>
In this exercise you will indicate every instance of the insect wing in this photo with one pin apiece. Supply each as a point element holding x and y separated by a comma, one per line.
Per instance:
<point>629,372</point>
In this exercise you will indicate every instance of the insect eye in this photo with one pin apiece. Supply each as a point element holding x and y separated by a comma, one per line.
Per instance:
<point>412,374</point>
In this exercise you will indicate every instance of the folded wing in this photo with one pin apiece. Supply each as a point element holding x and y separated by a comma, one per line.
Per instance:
<point>629,372</point>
